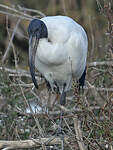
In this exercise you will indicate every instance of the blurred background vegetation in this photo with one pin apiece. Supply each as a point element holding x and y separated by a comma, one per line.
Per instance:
<point>96,17</point>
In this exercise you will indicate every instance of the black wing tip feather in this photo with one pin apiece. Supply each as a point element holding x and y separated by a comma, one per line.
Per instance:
<point>82,79</point>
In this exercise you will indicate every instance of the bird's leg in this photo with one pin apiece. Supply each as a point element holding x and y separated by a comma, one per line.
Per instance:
<point>63,98</point>
<point>62,102</point>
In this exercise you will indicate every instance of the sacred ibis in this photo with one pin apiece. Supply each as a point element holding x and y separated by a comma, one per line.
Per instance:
<point>58,49</point>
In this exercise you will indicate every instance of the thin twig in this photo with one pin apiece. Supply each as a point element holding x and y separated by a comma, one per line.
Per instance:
<point>36,120</point>
<point>20,14</point>
<point>32,10</point>
<point>10,43</point>
<point>15,10</point>
<point>15,15</point>
<point>64,6</point>
<point>92,37</point>
<point>19,34</point>
<point>78,133</point>
<point>102,63</point>
<point>14,52</point>
<point>52,113</point>
<point>19,72</point>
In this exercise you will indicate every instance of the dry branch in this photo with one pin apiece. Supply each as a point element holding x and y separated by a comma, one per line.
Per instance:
<point>10,43</point>
<point>19,72</point>
<point>20,13</point>
<point>52,113</point>
<point>99,89</point>
<point>31,143</point>
<point>14,10</point>
<point>31,10</point>
<point>102,63</point>
<point>15,15</point>
<point>78,133</point>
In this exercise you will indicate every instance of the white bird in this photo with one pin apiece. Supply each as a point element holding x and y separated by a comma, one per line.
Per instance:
<point>58,49</point>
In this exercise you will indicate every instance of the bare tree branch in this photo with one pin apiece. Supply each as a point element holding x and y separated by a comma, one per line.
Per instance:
<point>10,43</point>
<point>102,63</point>
<point>15,15</point>
<point>31,10</point>
<point>78,133</point>
<point>14,51</point>
<point>30,143</point>
<point>20,14</point>
<point>14,10</point>
<point>18,72</point>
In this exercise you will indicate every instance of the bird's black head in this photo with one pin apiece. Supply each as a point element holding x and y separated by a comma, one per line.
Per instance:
<point>36,30</point>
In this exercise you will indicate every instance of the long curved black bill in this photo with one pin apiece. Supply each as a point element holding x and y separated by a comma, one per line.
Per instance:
<point>33,43</point>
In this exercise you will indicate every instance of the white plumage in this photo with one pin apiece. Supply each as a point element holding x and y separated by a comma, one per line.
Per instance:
<point>63,54</point>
